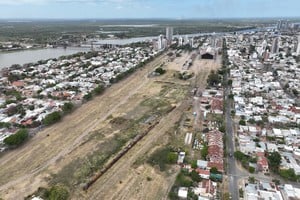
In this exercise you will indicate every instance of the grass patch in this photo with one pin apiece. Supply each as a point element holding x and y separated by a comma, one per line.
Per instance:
<point>155,102</point>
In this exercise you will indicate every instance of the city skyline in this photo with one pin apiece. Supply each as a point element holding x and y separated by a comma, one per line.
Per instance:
<point>173,9</point>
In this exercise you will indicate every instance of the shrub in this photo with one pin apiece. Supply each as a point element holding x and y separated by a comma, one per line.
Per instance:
<point>160,71</point>
<point>242,122</point>
<point>52,118</point>
<point>17,139</point>
<point>99,90</point>
<point>88,96</point>
<point>195,176</point>
<point>251,170</point>
<point>67,107</point>
<point>58,192</point>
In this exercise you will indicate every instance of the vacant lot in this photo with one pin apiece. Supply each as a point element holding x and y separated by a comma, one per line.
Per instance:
<point>77,147</point>
<point>129,177</point>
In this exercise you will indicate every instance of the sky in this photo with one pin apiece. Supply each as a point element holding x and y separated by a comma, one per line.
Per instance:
<point>173,9</point>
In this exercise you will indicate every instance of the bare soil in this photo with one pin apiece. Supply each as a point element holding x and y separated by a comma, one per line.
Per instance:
<point>25,169</point>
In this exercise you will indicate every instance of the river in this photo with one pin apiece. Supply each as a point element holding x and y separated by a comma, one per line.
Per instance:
<point>28,56</point>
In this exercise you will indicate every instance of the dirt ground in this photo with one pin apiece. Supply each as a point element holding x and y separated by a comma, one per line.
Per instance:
<point>25,169</point>
<point>123,181</point>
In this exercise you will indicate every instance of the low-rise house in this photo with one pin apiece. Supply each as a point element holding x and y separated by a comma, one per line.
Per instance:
<point>290,193</point>
<point>181,157</point>
<point>205,174</point>
<point>183,192</point>
<point>262,164</point>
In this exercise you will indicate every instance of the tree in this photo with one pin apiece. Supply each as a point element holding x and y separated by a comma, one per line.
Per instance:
<point>222,128</point>
<point>288,174</point>
<point>204,151</point>
<point>251,179</point>
<point>241,192</point>
<point>17,139</point>
<point>242,122</point>
<point>5,125</point>
<point>88,96</point>
<point>240,156</point>
<point>160,70</point>
<point>213,79</point>
<point>67,107</point>
<point>251,121</point>
<point>214,170</point>
<point>195,176</point>
<point>99,90</point>
<point>274,159</point>
<point>194,164</point>
<point>58,192</point>
<point>52,118</point>
<point>251,170</point>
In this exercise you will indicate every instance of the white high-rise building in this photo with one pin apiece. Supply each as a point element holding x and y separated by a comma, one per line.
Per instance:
<point>160,41</point>
<point>192,42</point>
<point>169,34</point>
<point>180,41</point>
<point>298,47</point>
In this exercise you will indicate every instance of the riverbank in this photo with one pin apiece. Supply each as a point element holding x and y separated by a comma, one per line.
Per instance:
<point>8,59</point>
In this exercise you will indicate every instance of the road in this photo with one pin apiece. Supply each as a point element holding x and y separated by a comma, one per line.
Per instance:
<point>233,171</point>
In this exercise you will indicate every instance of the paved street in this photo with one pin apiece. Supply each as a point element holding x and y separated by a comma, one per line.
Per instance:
<point>233,172</point>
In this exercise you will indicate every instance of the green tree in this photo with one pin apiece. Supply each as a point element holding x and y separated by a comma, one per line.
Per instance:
<point>160,70</point>
<point>251,179</point>
<point>99,89</point>
<point>195,176</point>
<point>274,159</point>
<point>214,170</point>
<point>241,192</point>
<point>67,107</point>
<point>251,121</point>
<point>194,164</point>
<point>52,118</point>
<point>251,170</point>
<point>204,152</point>
<point>213,79</point>
<point>231,96</point>
<point>288,174</point>
<point>5,125</point>
<point>242,122</point>
<point>58,192</point>
<point>88,96</point>
<point>17,139</point>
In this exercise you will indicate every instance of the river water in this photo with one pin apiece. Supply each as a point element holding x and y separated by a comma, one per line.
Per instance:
<point>28,56</point>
